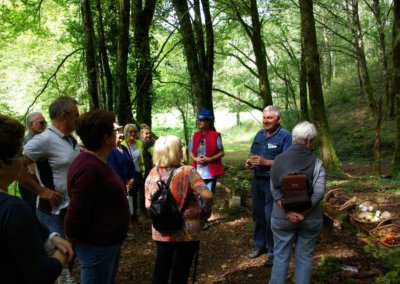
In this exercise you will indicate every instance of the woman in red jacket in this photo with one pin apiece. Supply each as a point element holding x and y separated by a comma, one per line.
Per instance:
<point>206,150</point>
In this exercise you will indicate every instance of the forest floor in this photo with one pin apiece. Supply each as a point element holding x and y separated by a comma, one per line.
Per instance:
<point>226,243</point>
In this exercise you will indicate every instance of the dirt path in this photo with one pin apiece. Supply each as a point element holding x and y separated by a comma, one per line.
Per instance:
<point>225,245</point>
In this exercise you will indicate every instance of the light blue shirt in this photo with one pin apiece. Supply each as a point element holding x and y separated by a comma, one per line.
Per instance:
<point>203,170</point>
<point>59,150</point>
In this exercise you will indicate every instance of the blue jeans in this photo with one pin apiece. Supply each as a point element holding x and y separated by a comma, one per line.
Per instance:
<point>99,264</point>
<point>304,236</point>
<point>55,223</point>
<point>262,209</point>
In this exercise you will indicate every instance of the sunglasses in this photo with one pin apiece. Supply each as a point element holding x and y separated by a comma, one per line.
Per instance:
<point>43,123</point>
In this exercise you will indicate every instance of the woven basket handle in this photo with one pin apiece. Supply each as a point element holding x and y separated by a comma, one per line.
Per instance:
<point>389,221</point>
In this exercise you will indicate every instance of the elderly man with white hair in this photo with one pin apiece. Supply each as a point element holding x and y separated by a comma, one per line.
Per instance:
<point>291,227</point>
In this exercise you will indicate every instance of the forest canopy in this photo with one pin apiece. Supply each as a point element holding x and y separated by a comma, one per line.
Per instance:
<point>143,57</point>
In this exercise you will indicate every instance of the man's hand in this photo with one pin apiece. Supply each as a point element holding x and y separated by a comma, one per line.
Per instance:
<point>257,160</point>
<point>249,165</point>
<point>64,247</point>
<point>52,196</point>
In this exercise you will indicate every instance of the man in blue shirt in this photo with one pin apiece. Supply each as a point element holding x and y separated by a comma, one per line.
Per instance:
<point>268,143</point>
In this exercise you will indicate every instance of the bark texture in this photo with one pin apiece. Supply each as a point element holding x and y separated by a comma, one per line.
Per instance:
<point>328,153</point>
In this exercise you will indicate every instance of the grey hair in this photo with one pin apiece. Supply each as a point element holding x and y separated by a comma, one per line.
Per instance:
<point>61,104</point>
<point>30,117</point>
<point>303,132</point>
<point>127,126</point>
<point>272,108</point>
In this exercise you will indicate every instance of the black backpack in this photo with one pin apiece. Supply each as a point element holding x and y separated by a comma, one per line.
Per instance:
<point>164,212</point>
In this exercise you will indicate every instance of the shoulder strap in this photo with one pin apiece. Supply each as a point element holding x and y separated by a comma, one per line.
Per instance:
<point>167,184</point>
<point>169,178</point>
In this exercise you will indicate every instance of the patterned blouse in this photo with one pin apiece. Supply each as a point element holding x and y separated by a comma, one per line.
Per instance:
<point>186,185</point>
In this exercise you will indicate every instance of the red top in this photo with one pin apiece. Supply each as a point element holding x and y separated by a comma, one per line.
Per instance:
<point>210,136</point>
<point>98,211</point>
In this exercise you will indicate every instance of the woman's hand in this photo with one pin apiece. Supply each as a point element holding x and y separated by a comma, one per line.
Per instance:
<point>64,247</point>
<point>294,217</point>
<point>201,160</point>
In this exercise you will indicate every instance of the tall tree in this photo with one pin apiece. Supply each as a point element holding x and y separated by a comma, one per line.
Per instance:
<point>358,43</point>
<point>376,10</point>
<point>254,32</point>
<point>90,52</point>
<point>199,51</point>
<point>142,16</point>
<point>104,59</point>
<point>309,38</point>
<point>303,86</point>
<point>124,111</point>
<point>396,81</point>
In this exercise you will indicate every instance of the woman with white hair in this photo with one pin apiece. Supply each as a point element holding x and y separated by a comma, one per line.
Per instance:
<point>290,227</point>
<point>176,248</point>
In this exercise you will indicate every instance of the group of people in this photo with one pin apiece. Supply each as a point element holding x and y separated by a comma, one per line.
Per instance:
<point>276,152</point>
<point>81,204</point>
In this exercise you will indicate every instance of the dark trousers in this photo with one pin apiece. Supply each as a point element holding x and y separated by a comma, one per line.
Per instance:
<point>262,210</point>
<point>137,194</point>
<point>175,258</point>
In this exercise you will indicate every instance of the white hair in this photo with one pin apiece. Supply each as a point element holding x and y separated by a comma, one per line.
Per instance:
<point>303,132</point>
<point>31,116</point>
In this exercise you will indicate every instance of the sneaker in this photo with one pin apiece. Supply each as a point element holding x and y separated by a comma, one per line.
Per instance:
<point>129,237</point>
<point>269,261</point>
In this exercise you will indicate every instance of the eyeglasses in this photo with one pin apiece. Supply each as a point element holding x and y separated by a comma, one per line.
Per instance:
<point>132,131</point>
<point>43,122</point>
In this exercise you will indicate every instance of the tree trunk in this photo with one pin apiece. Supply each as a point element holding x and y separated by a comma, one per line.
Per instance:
<point>303,86</point>
<point>259,53</point>
<point>90,51</point>
<point>352,10</point>
<point>396,82</point>
<point>328,153</point>
<point>109,102</point>
<point>254,33</point>
<point>200,77</point>
<point>382,45</point>
<point>142,19</point>
<point>124,111</point>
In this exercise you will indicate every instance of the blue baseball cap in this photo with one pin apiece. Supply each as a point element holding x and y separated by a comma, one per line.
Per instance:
<point>205,114</point>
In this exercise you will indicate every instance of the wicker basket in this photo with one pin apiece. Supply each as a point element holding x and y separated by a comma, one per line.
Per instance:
<point>385,228</point>
<point>361,224</point>
<point>343,202</point>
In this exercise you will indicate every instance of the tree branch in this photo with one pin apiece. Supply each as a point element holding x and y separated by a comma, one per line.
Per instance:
<point>238,99</point>
<point>50,78</point>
